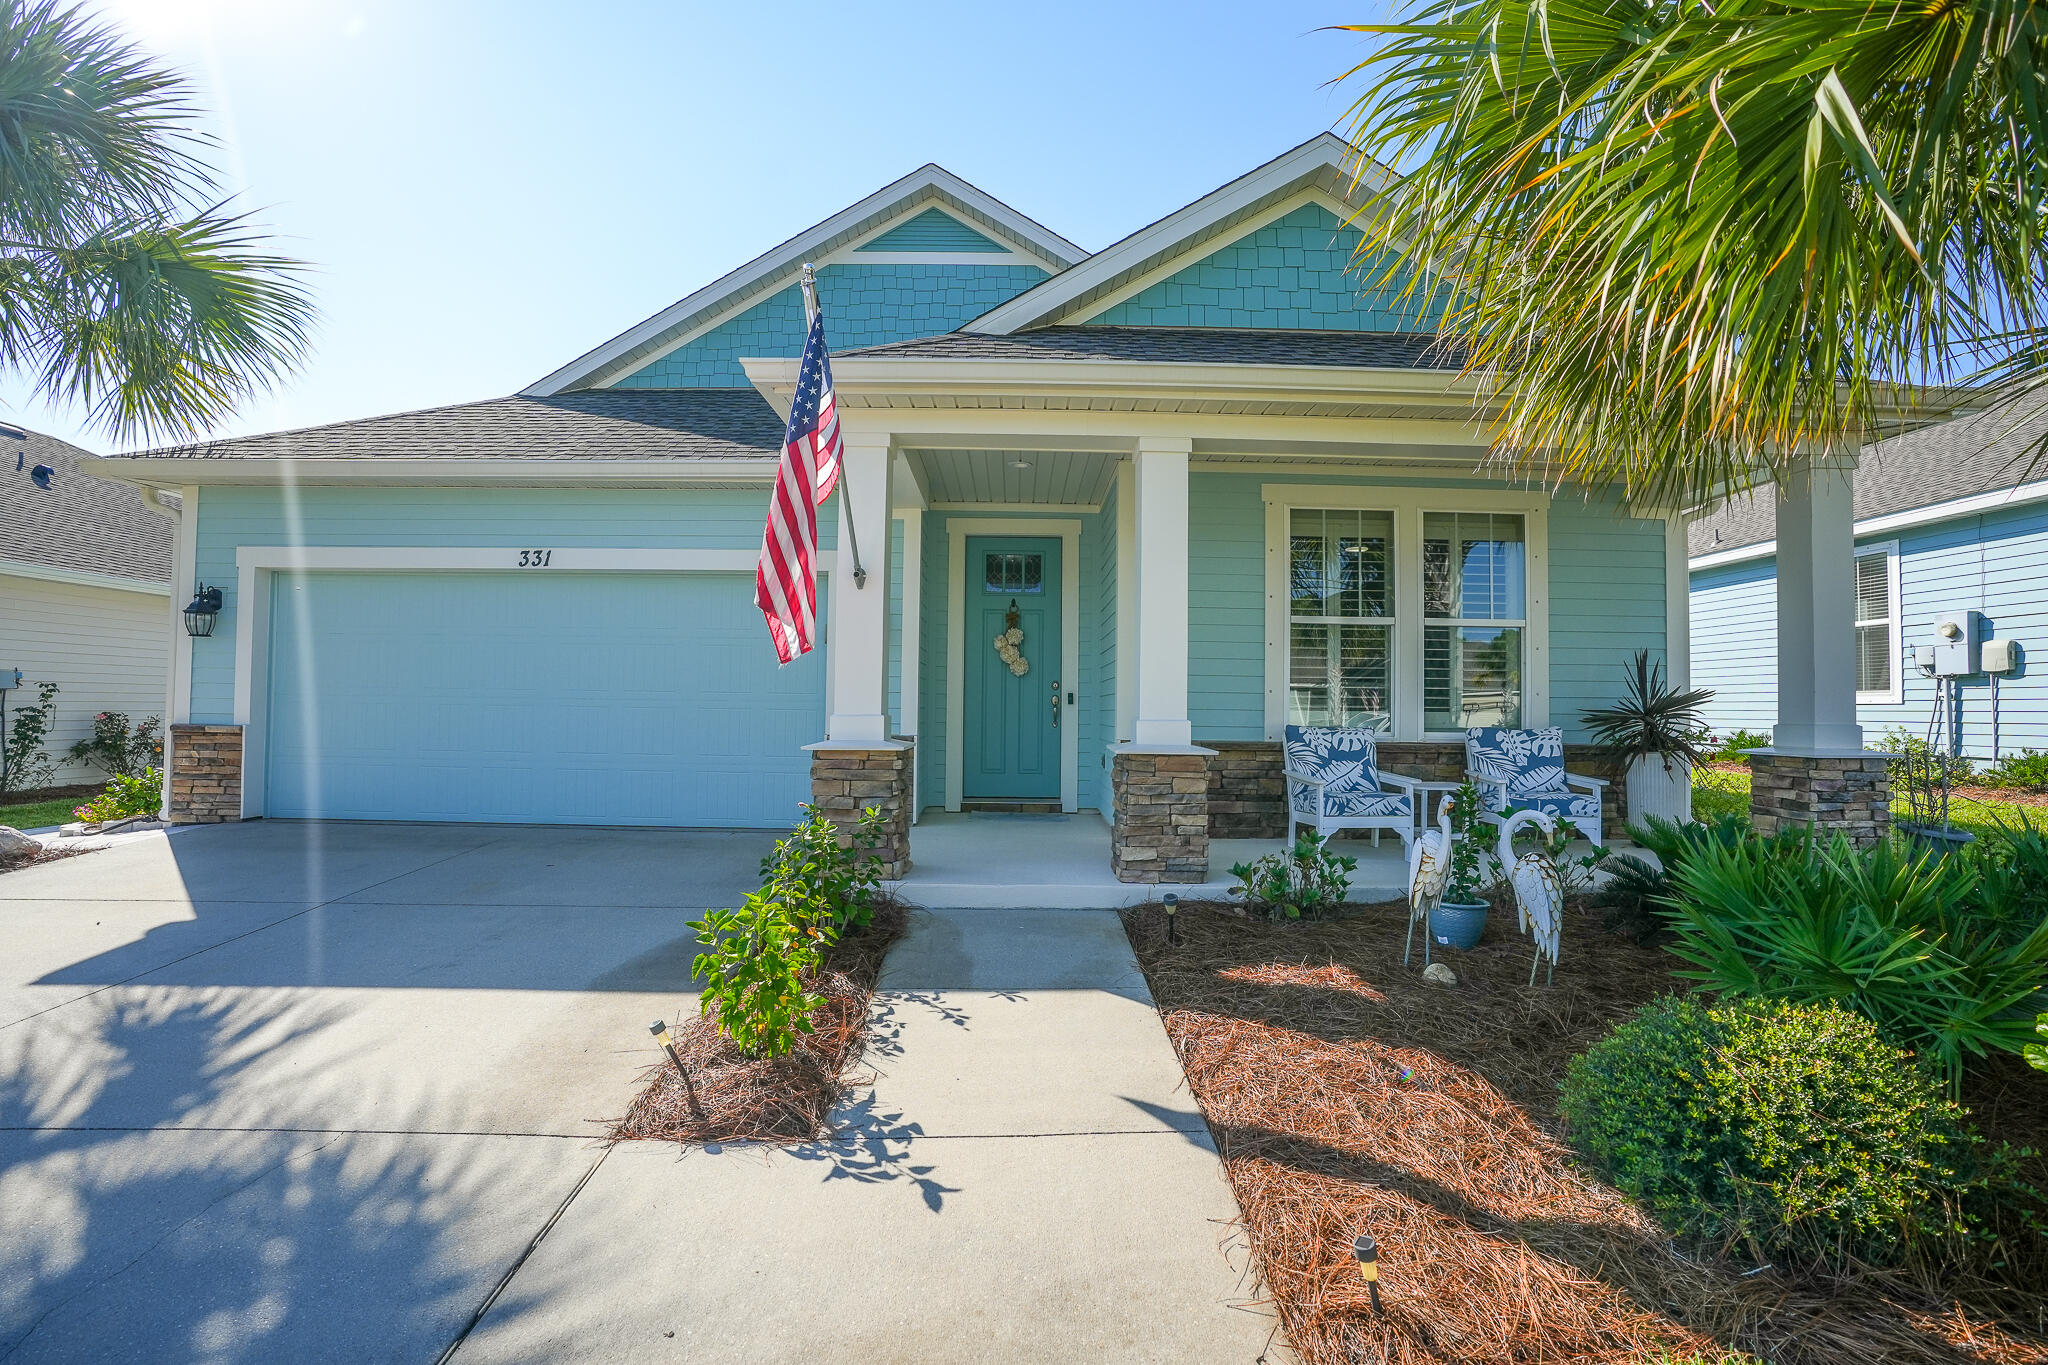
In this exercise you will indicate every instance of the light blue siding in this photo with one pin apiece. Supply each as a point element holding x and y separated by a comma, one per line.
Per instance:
<point>534,698</point>
<point>711,518</point>
<point>1295,272</point>
<point>1606,600</point>
<point>932,230</point>
<point>1995,562</point>
<point>865,305</point>
<point>1100,532</point>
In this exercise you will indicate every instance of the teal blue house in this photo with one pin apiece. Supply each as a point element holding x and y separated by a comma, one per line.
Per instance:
<point>1207,481</point>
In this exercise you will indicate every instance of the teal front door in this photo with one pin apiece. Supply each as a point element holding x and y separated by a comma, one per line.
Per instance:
<point>1013,696</point>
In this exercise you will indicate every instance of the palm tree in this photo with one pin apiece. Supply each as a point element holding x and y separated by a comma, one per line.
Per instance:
<point>1692,242</point>
<point>125,286</point>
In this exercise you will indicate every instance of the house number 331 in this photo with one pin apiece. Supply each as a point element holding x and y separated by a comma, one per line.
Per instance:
<point>535,559</point>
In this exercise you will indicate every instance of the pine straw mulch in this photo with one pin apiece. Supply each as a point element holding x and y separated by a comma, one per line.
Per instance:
<point>1347,1095</point>
<point>725,1097</point>
<point>18,861</point>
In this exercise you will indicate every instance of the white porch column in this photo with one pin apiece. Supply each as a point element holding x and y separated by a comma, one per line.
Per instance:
<point>858,647</point>
<point>1817,612</point>
<point>1162,561</point>
<point>1126,600</point>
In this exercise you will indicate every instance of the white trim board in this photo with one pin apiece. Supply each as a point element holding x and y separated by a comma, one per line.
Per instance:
<point>1996,500</point>
<point>1895,695</point>
<point>256,566</point>
<point>1408,505</point>
<point>1068,530</point>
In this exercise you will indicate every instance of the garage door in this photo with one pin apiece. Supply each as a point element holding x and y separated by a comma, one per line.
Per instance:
<point>629,699</point>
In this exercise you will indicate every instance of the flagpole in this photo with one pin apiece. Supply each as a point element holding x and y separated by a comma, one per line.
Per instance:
<point>809,278</point>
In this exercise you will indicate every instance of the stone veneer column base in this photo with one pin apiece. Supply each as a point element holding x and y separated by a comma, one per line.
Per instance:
<point>1161,827</point>
<point>848,779</point>
<point>206,774</point>
<point>1836,794</point>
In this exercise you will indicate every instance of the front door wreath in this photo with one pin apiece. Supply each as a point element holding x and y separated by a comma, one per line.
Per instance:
<point>1007,643</point>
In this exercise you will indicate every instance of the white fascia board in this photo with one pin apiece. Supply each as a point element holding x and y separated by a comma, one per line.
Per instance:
<point>1995,500</point>
<point>924,183</point>
<point>176,470</point>
<point>49,573</point>
<point>775,376</point>
<point>1325,152</point>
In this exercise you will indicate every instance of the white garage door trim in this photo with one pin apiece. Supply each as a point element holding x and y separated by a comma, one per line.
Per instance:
<point>255,566</point>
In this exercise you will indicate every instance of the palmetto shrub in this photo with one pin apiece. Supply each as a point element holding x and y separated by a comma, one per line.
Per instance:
<point>1948,957</point>
<point>1767,1125</point>
<point>2026,770</point>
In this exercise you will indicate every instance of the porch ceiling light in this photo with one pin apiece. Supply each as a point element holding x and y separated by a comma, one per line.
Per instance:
<point>203,612</point>
<point>1020,464</point>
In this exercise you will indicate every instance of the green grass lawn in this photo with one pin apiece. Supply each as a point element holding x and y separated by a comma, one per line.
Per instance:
<point>36,814</point>
<point>1718,791</point>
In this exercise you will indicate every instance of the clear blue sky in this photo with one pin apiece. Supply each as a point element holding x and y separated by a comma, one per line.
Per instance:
<point>488,190</point>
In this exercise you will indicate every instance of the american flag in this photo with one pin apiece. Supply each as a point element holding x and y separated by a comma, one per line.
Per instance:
<point>786,581</point>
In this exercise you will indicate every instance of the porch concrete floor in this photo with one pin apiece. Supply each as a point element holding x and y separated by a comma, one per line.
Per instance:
<point>969,860</point>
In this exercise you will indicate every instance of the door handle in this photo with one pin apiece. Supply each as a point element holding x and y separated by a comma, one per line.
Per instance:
<point>1055,703</point>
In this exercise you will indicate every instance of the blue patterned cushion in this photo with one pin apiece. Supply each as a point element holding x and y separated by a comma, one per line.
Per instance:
<point>1568,806</point>
<point>1347,762</point>
<point>1529,762</point>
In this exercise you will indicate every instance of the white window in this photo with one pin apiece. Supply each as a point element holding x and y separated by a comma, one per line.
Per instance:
<point>1878,680</point>
<point>1387,610</point>
<point>1340,637</point>
<point>1475,596</point>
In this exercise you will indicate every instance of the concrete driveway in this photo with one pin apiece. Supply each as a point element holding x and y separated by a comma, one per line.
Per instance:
<point>282,1091</point>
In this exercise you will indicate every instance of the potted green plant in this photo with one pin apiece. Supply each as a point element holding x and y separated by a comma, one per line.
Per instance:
<point>1657,732</point>
<point>1459,918</point>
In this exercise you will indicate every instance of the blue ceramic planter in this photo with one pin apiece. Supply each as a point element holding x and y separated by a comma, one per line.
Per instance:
<point>1452,925</point>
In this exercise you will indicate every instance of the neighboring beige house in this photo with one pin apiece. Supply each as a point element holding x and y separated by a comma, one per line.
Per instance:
<point>85,590</point>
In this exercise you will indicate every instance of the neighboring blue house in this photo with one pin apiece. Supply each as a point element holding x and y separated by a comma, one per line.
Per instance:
<point>1951,518</point>
<point>1223,484</point>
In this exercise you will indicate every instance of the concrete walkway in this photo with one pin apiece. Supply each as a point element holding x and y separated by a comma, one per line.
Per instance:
<point>1025,1181</point>
<point>297,1092</point>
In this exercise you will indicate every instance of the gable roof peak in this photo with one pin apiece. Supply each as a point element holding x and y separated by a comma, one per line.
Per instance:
<point>1325,162</point>
<point>777,268</point>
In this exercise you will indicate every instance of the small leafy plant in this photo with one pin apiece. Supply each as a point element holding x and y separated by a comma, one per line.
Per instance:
<point>2037,1053</point>
<point>24,763</point>
<point>756,966</point>
<point>122,750</point>
<point>1729,748</point>
<point>2026,770</point>
<point>125,795</point>
<point>1306,881</point>
<point>1910,751</point>
<point>1465,881</point>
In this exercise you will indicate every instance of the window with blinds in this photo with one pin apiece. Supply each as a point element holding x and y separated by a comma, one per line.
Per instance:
<point>1877,649</point>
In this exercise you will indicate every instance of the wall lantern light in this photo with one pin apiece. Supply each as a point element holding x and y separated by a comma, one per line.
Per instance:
<point>204,611</point>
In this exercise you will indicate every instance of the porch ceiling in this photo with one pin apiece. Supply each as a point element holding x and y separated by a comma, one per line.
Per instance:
<point>1058,478</point>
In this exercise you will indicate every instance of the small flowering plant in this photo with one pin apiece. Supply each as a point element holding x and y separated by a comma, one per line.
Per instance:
<point>125,796</point>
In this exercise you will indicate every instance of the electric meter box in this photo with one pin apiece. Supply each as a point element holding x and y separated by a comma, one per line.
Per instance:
<point>10,678</point>
<point>1958,635</point>
<point>2001,656</point>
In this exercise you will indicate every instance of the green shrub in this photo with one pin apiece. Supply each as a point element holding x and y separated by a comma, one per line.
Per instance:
<point>825,877</point>
<point>1932,951</point>
<point>1717,793</point>
<point>760,960</point>
<point>2027,770</point>
<point>1910,749</point>
<point>124,796</point>
<point>123,750</point>
<point>1773,1126</point>
<point>757,964</point>
<point>24,763</point>
<point>1306,881</point>
<point>1632,898</point>
<point>1729,748</point>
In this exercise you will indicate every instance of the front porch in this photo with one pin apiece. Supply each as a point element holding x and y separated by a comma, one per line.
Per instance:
<point>986,860</point>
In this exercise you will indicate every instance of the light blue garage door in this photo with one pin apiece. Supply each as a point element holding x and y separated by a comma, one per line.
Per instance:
<point>560,698</point>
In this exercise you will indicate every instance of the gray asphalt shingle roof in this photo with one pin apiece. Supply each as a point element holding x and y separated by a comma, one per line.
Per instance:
<point>1980,453</point>
<point>585,424</point>
<point>1189,345</point>
<point>81,523</point>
